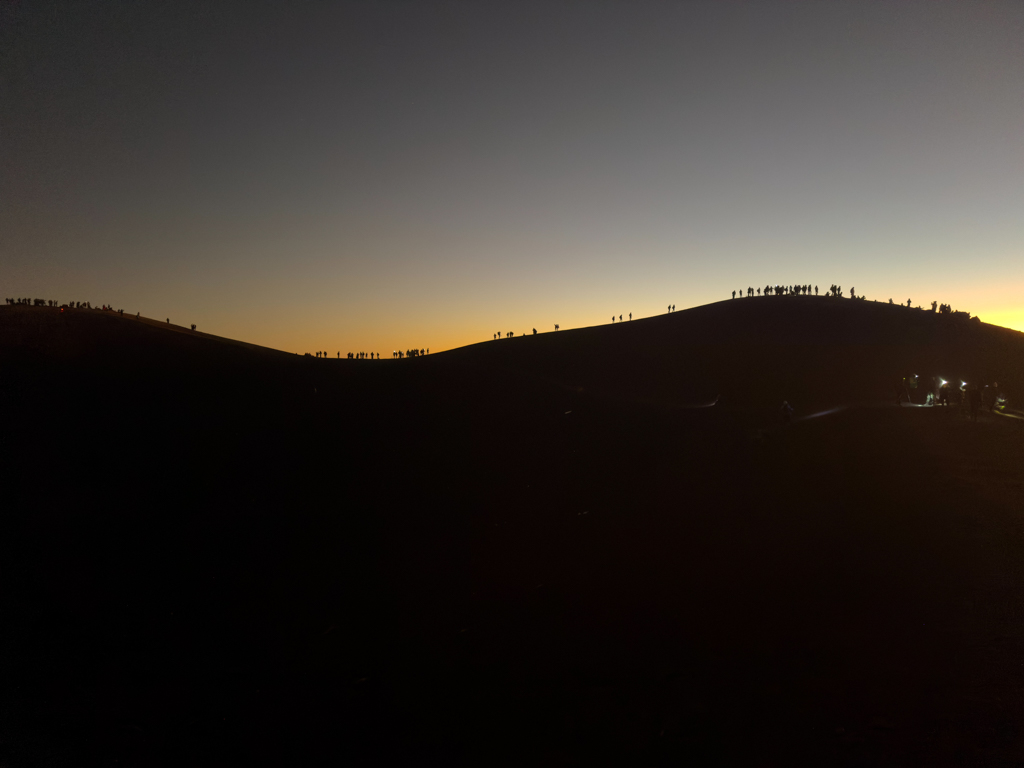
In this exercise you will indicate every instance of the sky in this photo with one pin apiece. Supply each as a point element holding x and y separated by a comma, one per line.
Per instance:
<point>375,176</point>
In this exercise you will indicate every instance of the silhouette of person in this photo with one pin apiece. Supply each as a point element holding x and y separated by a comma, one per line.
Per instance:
<point>787,412</point>
<point>169,319</point>
<point>613,318</point>
<point>734,294</point>
<point>973,400</point>
<point>534,331</point>
<point>620,318</point>
<point>630,315</point>
<point>908,302</point>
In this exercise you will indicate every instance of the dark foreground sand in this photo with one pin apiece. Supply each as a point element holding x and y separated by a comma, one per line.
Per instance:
<point>510,556</point>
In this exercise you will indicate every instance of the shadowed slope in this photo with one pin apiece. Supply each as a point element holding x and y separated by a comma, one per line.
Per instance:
<point>814,351</point>
<point>512,553</point>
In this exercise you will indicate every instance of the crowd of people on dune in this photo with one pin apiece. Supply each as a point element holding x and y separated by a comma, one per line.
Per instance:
<point>397,354</point>
<point>57,304</point>
<point>75,305</point>
<point>833,291</point>
<point>777,290</point>
<point>69,305</point>
<point>793,290</point>
<point>33,302</point>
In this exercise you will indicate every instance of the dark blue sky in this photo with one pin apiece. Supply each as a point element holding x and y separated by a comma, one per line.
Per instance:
<point>373,176</point>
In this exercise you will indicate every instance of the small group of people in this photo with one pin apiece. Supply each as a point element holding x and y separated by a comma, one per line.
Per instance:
<point>977,398</point>
<point>350,355</point>
<point>671,307</point>
<point>942,309</point>
<point>399,354</point>
<point>968,396</point>
<point>620,317</point>
<point>508,335</point>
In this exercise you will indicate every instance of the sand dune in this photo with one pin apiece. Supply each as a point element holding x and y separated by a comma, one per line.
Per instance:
<point>532,550</point>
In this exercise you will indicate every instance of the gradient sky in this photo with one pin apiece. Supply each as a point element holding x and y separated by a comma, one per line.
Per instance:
<point>378,176</point>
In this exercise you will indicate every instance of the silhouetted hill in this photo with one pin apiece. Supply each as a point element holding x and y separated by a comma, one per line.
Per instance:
<point>524,551</point>
<point>813,351</point>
